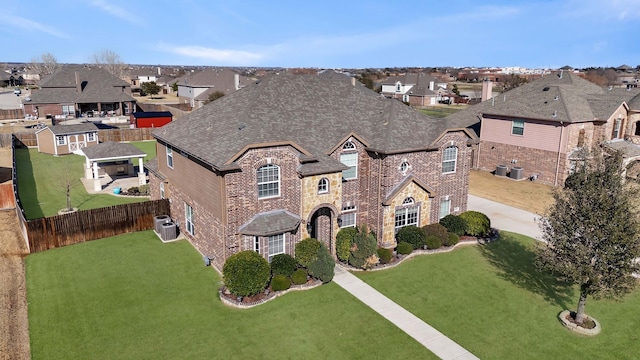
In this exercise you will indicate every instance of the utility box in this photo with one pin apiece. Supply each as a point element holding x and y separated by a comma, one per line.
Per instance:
<point>159,220</point>
<point>517,173</point>
<point>501,170</point>
<point>168,231</point>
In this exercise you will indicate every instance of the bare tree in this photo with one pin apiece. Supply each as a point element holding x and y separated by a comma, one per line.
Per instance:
<point>111,62</point>
<point>45,64</point>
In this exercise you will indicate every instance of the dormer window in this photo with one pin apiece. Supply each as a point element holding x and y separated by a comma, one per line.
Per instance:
<point>398,87</point>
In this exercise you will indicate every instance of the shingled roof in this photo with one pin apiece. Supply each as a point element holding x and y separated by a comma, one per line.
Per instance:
<point>314,113</point>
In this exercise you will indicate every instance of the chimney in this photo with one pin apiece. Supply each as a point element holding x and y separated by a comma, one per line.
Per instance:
<point>431,85</point>
<point>236,81</point>
<point>159,71</point>
<point>78,85</point>
<point>353,81</point>
<point>487,89</point>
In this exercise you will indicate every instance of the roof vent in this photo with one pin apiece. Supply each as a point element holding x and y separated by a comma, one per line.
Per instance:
<point>556,97</point>
<point>242,126</point>
<point>546,88</point>
<point>555,113</point>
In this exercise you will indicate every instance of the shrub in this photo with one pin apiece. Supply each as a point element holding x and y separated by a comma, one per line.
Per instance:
<point>299,276</point>
<point>344,241</point>
<point>323,266</point>
<point>133,190</point>
<point>436,230</point>
<point>404,248</point>
<point>478,224</point>
<point>144,189</point>
<point>412,235</point>
<point>364,245</point>
<point>433,242</point>
<point>246,273</point>
<point>385,255</point>
<point>452,239</point>
<point>283,264</point>
<point>280,282</point>
<point>454,224</point>
<point>307,251</point>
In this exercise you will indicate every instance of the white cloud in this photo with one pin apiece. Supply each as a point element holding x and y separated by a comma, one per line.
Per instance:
<point>30,25</point>
<point>227,56</point>
<point>621,10</point>
<point>116,11</point>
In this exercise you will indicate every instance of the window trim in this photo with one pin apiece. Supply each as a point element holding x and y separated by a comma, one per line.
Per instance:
<point>443,200</point>
<point>91,137</point>
<point>256,244</point>
<point>169,151</point>
<point>188,219</point>
<point>408,205</point>
<point>514,127</point>
<point>258,183</point>
<point>405,164</point>
<point>61,137</point>
<point>346,162</point>
<point>617,126</point>
<point>349,210</point>
<point>323,186</point>
<point>270,255</point>
<point>446,161</point>
<point>162,194</point>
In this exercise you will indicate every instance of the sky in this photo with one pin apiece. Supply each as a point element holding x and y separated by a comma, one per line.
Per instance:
<point>326,34</point>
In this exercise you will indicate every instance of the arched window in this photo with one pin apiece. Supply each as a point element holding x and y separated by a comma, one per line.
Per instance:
<point>349,157</point>
<point>449,159</point>
<point>268,177</point>
<point>323,186</point>
<point>404,167</point>
<point>398,87</point>
<point>406,214</point>
<point>348,146</point>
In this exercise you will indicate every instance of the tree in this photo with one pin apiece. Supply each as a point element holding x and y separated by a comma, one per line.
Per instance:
<point>111,62</point>
<point>46,64</point>
<point>591,232</point>
<point>455,89</point>
<point>174,87</point>
<point>214,96</point>
<point>150,88</point>
<point>513,81</point>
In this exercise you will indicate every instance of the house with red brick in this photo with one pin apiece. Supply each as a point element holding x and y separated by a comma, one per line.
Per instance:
<point>291,157</point>
<point>540,130</point>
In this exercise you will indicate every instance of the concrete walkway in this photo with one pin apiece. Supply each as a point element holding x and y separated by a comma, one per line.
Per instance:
<point>505,217</point>
<point>426,335</point>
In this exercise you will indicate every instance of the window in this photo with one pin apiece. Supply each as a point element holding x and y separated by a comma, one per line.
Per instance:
<point>616,128</point>
<point>188,215</point>
<point>517,127</point>
<point>348,217</point>
<point>276,245</point>
<point>407,214</point>
<point>169,156</point>
<point>349,159</point>
<point>398,87</point>
<point>449,159</point>
<point>581,138</point>
<point>404,167</point>
<point>68,110</point>
<point>268,181</point>
<point>161,190</point>
<point>91,137</point>
<point>61,140</point>
<point>405,98</point>
<point>256,244</point>
<point>445,207</point>
<point>323,186</point>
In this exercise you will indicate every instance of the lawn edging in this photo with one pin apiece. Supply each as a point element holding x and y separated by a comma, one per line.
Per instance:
<point>272,295</point>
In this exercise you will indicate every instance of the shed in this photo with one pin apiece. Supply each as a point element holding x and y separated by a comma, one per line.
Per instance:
<point>151,119</point>
<point>66,139</point>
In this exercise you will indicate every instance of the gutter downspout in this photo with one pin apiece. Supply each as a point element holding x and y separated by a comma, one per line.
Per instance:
<point>555,182</point>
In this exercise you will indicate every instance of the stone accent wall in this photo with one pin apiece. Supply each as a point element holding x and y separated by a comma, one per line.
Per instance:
<point>312,200</point>
<point>421,199</point>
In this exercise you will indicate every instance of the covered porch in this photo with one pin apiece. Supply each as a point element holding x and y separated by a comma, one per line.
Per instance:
<point>111,161</point>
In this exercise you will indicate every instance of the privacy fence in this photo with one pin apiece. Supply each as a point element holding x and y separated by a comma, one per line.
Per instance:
<point>28,138</point>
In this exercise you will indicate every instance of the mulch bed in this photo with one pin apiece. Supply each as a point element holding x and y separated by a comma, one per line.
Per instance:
<point>587,323</point>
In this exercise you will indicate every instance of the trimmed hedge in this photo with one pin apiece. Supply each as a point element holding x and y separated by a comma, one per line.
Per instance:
<point>299,276</point>
<point>363,252</point>
<point>404,248</point>
<point>283,264</point>
<point>433,242</point>
<point>344,241</point>
<point>280,282</point>
<point>323,266</point>
<point>413,235</point>
<point>436,230</point>
<point>307,251</point>
<point>385,255</point>
<point>246,273</point>
<point>454,224</point>
<point>452,239</point>
<point>478,224</point>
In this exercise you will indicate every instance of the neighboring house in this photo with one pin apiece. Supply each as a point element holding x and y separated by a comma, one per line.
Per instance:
<point>418,89</point>
<point>296,156</point>
<point>543,128</point>
<point>191,88</point>
<point>77,90</point>
<point>66,139</point>
<point>150,119</point>
<point>7,79</point>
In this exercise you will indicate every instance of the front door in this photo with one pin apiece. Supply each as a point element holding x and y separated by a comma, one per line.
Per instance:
<point>320,227</point>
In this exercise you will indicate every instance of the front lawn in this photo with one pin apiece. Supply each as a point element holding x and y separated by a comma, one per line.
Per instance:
<point>132,297</point>
<point>492,301</point>
<point>42,180</point>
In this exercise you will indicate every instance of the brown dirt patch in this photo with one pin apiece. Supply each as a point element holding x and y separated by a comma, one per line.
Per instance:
<point>526,195</point>
<point>14,324</point>
<point>5,165</point>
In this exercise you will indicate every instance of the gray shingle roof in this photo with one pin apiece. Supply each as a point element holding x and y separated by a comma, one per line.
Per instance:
<point>73,129</point>
<point>315,112</point>
<point>111,150</point>
<point>270,223</point>
<point>219,79</point>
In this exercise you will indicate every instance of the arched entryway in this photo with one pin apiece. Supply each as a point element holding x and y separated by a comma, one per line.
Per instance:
<point>320,226</point>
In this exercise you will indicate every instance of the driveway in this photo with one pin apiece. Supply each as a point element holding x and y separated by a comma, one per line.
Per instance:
<point>505,217</point>
<point>9,100</point>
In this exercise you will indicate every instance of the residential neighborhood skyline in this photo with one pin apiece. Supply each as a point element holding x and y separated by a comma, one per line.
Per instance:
<point>533,34</point>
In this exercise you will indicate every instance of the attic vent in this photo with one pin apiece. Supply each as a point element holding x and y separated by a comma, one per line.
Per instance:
<point>555,113</point>
<point>556,97</point>
<point>546,88</point>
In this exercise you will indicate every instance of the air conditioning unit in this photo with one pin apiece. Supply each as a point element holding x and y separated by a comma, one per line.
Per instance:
<point>168,231</point>
<point>159,220</point>
<point>517,173</point>
<point>501,170</point>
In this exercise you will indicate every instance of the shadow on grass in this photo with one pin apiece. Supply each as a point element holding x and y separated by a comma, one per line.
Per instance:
<point>27,190</point>
<point>516,263</point>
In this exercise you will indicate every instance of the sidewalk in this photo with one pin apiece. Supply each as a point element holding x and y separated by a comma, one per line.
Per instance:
<point>505,217</point>
<point>426,335</point>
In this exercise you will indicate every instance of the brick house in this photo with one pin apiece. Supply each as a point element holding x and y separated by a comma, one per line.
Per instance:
<point>296,156</point>
<point>195,88</point>
<point>542,128</point>
<point>418,89</point>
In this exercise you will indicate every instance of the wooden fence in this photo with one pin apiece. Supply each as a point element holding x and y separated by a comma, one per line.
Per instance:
<point>7,200</point>
<point>29,139</point>
<point>11,114</point>
<point>68,229</point>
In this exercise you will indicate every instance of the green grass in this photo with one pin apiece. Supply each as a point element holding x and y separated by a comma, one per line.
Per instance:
<point>132,297</point>
<point>42,184</point>
<point>149,148</point>
<point>441,111</point>
<point>492,301</point>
